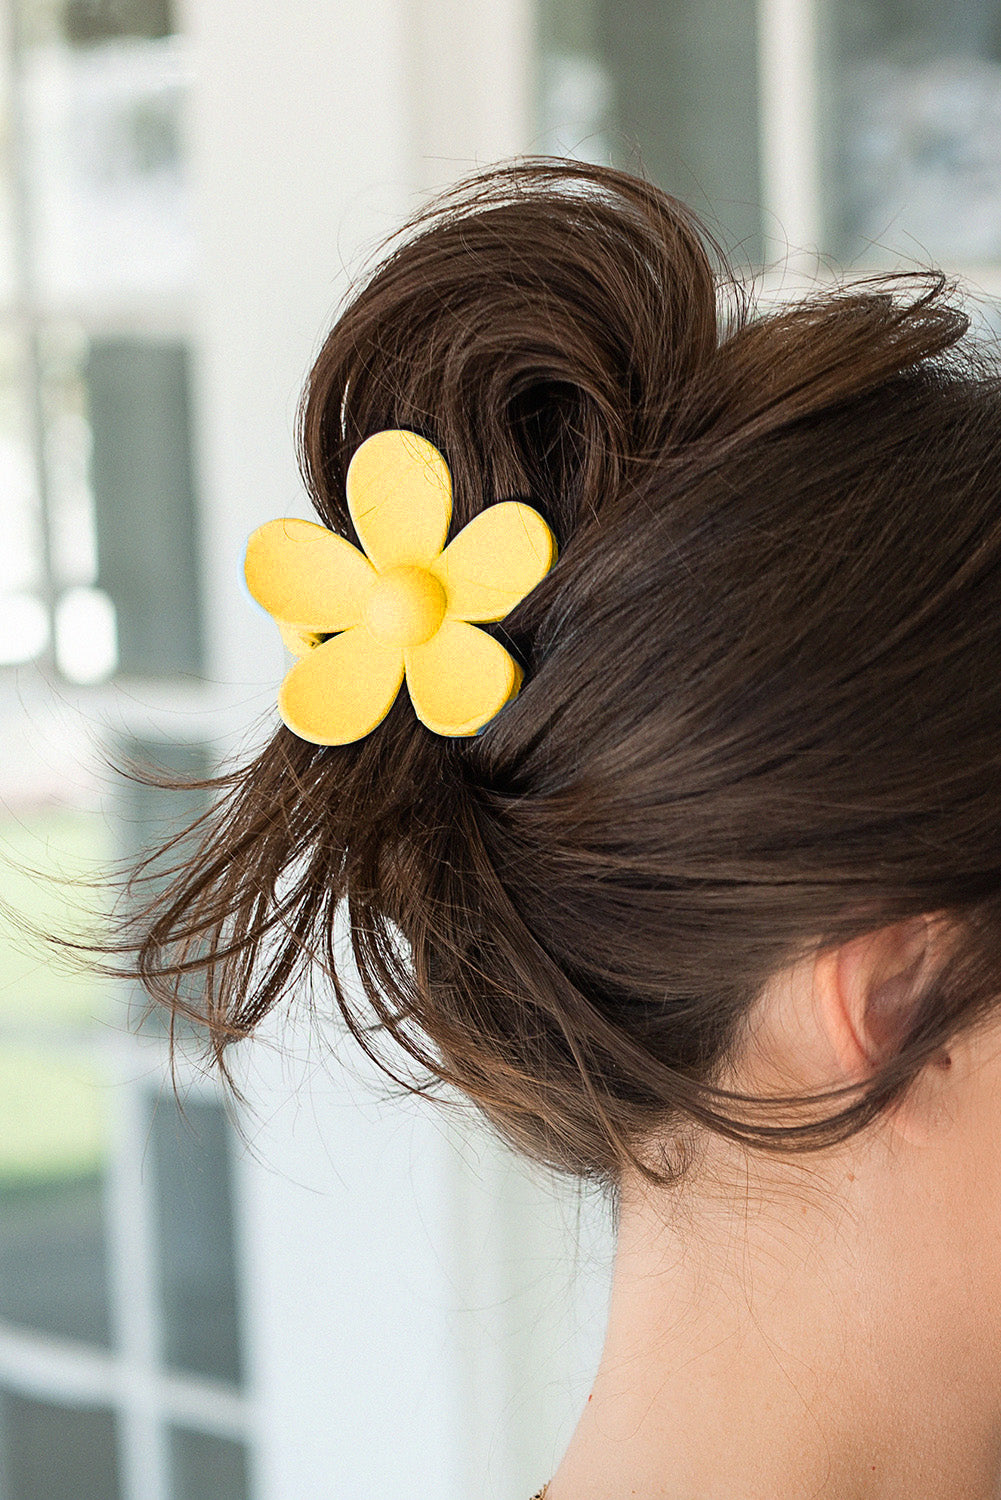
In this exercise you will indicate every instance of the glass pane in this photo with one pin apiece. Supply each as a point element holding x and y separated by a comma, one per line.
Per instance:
<point>50,1452</point>
<point>911,106</point>
<point>145,818</point>
<point>81,22</point>
<point>46,855</point>
<point>141,474</point>
<point>120,478</point>
<point>204,1467</point>
<point>24,623</point>
<point>53,1262</point>
<point>197,1269</point>
<point>105,171</point>
<point>662,86</point>
<point>577,92</point>
<point>53,1272</point>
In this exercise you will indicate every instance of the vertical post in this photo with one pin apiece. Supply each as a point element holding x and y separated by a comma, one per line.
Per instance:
<point>131,1259</point>
<point>790,170</point>
<point>471,78</point>
<point>27,308</point>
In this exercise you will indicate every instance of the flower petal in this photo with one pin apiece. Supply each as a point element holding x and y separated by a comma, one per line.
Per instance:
<point>460,678</point>
<point>495,561</point>
<point>400,498</point>
<point>342,689</point>
<point>307,576</point>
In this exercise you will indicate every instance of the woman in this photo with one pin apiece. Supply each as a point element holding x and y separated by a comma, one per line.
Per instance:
<point>702,900</point>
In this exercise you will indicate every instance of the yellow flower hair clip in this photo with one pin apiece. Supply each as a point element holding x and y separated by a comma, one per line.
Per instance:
<point>363,622</point>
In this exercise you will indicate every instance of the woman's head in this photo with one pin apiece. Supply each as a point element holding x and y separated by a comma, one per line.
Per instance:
<point>761,712</point>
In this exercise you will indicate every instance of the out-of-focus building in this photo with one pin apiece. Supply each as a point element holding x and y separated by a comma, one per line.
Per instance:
<point>333,1295</point>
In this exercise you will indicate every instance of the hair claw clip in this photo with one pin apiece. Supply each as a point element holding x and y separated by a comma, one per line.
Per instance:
<point>402,609</point>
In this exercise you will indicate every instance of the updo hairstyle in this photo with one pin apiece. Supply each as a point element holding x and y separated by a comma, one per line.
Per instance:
<point>761,712</point>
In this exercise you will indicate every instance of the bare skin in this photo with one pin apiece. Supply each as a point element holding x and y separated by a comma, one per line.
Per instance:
<point>825,1327</point>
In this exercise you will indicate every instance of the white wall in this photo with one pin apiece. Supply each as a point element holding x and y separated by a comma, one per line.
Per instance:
<point>415,1321</point>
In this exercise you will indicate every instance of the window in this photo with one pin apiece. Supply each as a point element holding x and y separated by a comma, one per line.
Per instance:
<point>911,129</point>
<point>96,259</point>
<point>867,129</point>
<point>122,1367</point>
<point>664,88</point>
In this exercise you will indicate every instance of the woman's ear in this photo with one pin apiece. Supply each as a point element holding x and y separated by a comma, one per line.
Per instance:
<point>866,991</point>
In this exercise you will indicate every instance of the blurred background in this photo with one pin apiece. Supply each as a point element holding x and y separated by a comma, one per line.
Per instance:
<point>330,1295</point>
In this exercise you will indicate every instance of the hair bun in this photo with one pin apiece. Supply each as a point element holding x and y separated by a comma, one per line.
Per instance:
<point>539,324</point>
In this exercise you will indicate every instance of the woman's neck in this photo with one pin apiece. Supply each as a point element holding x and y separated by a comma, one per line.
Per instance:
<point>777,1346</point>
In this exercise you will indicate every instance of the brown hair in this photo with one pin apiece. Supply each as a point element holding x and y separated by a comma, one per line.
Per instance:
<point>761,712</point>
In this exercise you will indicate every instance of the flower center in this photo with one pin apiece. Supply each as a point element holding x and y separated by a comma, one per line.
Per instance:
<point>404,606</point>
